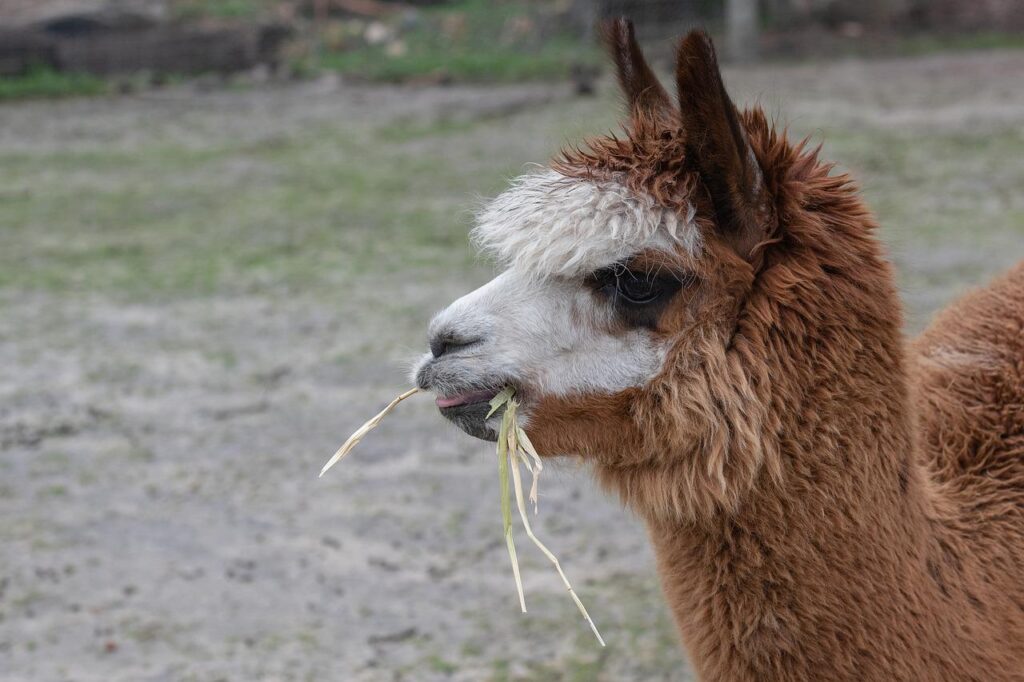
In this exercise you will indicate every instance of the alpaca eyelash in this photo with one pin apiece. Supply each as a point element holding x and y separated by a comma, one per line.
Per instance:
<point>607,278</point>
<point>650,286</point>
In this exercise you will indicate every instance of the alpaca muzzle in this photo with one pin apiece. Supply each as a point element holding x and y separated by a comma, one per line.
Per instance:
<point>463,390</point>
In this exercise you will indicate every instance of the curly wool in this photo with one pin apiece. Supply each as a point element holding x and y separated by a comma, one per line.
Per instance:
<point>547,224</point>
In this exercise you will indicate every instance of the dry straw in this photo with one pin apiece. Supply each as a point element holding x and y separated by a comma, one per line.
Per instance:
<point>354,439</point>
<point>514,448</point>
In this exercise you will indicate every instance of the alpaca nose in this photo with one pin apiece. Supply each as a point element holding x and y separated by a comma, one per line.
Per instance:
<point>447,340</point>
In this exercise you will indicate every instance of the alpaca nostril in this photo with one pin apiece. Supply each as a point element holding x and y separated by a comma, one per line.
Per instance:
<point>446,342</point>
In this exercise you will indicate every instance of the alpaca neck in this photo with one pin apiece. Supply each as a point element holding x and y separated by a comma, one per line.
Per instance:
<point>746,587</point>
<point>813,563</point>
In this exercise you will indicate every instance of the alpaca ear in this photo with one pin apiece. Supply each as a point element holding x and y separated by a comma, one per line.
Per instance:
<point>717,144</point>
<point>645,95</point>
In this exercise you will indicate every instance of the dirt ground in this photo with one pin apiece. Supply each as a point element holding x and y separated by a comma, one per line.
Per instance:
<point>203,293</point>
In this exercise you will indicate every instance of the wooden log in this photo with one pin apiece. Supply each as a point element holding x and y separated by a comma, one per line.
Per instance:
<point>171,50</point>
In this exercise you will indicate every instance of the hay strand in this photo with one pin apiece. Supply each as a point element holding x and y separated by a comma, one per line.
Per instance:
<point>520,502</point>
<point>537,467</point>
<point>513,448</point>
<point>354,439</point>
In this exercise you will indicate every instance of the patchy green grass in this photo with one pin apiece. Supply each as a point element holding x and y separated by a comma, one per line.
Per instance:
<point>927,43</point>
<point>947,203</point>
<point>936,186</point>
<point>315,209</point>
<point>221,9</point>
<point>472,40</point>
<point>289,214</point>
<point>440,665</point>
<point>952,192</point>
<point>496,64</point>
<point>47,83</point>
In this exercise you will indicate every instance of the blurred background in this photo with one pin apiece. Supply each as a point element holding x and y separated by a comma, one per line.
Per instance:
<point>224,225</point>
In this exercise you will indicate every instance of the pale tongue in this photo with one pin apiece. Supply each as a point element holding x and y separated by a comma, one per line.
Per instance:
<point>465,398</point>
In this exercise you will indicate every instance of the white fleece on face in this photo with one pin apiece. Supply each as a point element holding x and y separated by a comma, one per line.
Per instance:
<point>547,224</point>
<point>551,336</point>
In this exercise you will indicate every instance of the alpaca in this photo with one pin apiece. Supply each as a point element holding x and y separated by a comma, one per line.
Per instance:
<point>699,308</point>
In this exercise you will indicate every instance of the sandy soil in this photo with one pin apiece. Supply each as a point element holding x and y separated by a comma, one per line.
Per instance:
<point>202,294</point>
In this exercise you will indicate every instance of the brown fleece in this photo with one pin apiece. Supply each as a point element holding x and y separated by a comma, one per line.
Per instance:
<point>823,505</point>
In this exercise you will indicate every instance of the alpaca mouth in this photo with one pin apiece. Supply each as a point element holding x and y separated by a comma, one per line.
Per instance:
<point>463,394</point>
<point>468,410</point>
<point>467,398</point>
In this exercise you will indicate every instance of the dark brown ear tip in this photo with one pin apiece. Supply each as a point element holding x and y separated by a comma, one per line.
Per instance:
<point>619,25</point>
<point>618,31</point>
<point>699,35</point>
<point>638,82</point>
<point>697,44</point>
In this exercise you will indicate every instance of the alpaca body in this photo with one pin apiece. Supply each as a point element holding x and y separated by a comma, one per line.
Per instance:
<point>700,309</point>
<point>970,395</point>
<point>884,572</point>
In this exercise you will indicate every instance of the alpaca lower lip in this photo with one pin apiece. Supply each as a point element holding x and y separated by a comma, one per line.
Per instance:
<point>472,418</point>
<point>469,398</point>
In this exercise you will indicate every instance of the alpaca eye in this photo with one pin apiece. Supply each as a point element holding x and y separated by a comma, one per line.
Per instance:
<point>637,288</point>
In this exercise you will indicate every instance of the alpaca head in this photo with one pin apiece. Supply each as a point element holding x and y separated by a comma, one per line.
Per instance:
<point>627,264</point>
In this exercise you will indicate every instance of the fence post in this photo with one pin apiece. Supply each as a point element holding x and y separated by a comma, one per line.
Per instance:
<point>741,27</point>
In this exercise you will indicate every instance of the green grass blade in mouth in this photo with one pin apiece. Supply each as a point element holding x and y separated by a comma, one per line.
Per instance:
<point>503,397</point>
